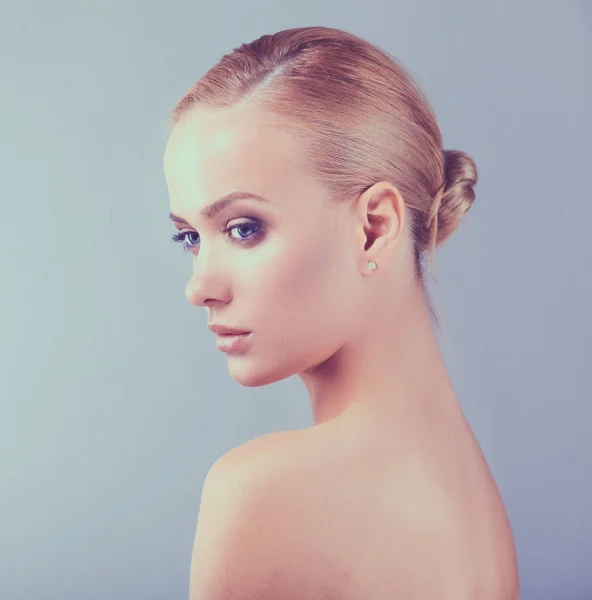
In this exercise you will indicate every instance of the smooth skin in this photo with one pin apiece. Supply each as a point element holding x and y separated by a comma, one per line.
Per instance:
<point>362,341</point>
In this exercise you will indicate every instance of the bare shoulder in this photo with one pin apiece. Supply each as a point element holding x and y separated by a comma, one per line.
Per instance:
<point>244,540</point>
<point>252,460</point>
<point>297,513</point>
<point>370,517</point>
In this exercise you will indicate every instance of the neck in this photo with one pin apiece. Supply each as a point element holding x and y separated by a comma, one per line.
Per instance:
<point>392,372</point>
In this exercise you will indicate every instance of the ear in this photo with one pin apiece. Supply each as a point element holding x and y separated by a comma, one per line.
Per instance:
<point>382,218</point>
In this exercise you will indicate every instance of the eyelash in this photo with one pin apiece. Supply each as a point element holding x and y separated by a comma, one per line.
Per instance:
<point>181,236</point>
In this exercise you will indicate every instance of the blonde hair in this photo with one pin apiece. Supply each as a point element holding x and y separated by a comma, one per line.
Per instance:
<point>359,117</point>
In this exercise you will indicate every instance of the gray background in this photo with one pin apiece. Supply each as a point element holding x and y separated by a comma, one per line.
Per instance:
<point>114,398</point>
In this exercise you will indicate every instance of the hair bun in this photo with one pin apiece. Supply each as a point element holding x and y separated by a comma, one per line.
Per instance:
<point>454,198</point>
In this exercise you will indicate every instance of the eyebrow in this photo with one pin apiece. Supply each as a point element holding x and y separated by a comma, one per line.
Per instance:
<point>215,207</point>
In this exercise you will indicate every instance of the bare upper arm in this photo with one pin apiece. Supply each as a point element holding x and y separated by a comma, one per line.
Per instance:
<point>244,545</point>
<point>219,547</point>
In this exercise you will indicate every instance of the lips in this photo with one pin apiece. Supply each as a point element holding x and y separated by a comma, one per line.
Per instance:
<point>233,344</point>
<point>232,333</point>
<point>224,330</point>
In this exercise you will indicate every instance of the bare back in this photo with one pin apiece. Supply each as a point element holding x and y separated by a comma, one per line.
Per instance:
<point>409,520</point>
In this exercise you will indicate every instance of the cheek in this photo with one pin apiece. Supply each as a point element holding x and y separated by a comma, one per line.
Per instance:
<point>305,271</point>
<point>308,285</point>
<point>289,278</point>
<point>304,285</point>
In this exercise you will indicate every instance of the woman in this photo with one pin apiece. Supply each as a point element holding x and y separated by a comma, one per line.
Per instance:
<point>307,178</point>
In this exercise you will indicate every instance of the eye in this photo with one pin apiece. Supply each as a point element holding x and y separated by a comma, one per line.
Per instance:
<point>255,227</point>
<point>244,226</point>
<point>180,237</point>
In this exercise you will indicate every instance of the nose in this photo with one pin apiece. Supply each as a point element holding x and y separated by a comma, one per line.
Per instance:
<point>201,290</point>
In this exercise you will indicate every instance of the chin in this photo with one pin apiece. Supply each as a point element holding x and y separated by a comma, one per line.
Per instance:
<point>248,374</point>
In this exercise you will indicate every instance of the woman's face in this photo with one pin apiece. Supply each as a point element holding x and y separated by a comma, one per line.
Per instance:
<point>286,269</point>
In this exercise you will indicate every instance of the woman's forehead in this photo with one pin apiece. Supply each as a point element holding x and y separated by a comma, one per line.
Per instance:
<point>216,139</point>
<point>215,153</point>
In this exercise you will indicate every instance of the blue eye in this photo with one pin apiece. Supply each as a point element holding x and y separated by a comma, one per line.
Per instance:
<point>250,239</point>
